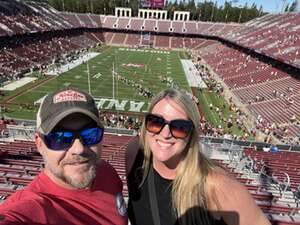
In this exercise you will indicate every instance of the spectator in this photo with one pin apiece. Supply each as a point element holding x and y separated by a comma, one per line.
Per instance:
<point>168,172</point>
<point>76,185</point>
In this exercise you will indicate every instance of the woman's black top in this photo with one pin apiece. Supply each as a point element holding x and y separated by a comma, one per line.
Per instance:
<point>139,210</point>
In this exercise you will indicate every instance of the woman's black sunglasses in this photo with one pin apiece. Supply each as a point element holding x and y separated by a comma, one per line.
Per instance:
<point>179,128</point>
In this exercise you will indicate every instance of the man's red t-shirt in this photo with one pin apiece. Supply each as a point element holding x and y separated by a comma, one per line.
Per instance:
<point>44,202</point>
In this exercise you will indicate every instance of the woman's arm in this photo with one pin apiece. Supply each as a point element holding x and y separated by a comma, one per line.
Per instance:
<point>233,202</point>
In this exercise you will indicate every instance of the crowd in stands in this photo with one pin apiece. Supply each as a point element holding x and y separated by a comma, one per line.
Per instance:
<point>40,43</point>
<point>269,93</point>
<point>3,123</point>
<point>121,121</point>
<point>30,17</point>
<point>21,54</point>
<point>258,85</point>
<point>278,37</point>
<point>220,131</point>
<point>281,131</point>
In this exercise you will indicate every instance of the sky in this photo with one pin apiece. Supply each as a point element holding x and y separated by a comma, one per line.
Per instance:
<point>271,6</point>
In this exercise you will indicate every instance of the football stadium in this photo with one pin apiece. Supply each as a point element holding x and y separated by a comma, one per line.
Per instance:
<point>243,76</point>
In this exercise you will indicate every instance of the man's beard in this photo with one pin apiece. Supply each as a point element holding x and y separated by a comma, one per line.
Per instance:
<point>90,171</point>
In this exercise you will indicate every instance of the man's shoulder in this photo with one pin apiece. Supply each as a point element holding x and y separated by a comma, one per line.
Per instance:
<point>107,168</point>
<point>107,173</point>
<point>25,195</point>
<point>31,194</point>
<point>106,165</point>
<point>21,205</point>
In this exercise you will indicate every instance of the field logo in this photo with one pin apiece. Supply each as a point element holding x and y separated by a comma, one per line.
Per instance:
<point>133,106</point>
<point>133,65</point>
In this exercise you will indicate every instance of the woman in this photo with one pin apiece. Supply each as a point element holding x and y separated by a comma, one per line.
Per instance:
<point>171,182</point>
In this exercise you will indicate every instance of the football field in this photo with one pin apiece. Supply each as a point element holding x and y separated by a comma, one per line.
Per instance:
<point>138,74</point>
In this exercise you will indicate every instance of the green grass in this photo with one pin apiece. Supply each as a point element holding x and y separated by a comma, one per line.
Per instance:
<point>206,98</point>
<point>156,66</point>
<point>22,112</point>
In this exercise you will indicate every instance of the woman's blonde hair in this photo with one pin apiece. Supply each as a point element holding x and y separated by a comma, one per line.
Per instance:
<point>189,195</point>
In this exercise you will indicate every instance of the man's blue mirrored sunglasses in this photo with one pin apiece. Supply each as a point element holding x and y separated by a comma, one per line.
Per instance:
<point>62,140</point>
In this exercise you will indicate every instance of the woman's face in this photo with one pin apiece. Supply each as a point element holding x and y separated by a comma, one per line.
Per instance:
<point>165,148</point>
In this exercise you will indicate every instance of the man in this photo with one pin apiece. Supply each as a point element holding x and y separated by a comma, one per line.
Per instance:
<point>76,185</point>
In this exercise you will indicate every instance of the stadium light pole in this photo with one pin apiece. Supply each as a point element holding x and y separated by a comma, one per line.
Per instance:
<point>113,81</point>
<point>226,15</point>
<point>88,73</point>
<point>117,90</point>
<point>63,5</point>
<point>240,16</point>
<point>213,11</point>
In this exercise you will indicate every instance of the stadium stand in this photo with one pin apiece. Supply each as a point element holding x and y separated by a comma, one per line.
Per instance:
<point>21,18</point>
<point>35,51</point>
<point>133,40</point>
<point>122,23</point>
<point>249,60</point>
<point>71,17</point>
<point>163,26</point>
<point>271,177</point>
<point>162,41</point>
<point>136,24</point>
<point>18,55</point>
<point>177,42</point>
<point>118,39</point>
<point>267,91</point>
<point>177,26</point>
<point>110,22</point>
<point>274,35</point>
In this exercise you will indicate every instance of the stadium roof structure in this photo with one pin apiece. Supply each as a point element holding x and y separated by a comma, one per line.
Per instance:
<point>273,35</point>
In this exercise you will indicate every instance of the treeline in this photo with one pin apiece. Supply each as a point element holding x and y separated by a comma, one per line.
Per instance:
<point>210,11</point>
<point>201,11</point>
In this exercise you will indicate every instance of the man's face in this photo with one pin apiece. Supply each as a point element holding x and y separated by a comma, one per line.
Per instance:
<point>76,166</point>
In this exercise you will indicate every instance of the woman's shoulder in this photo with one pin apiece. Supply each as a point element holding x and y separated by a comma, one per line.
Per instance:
<point>226,189</point>
<point>231,199</point>
<point>221,180</point>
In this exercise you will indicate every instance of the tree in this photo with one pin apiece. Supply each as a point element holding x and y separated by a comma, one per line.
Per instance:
<point>191,7</point>
<point>286,9</point>
<point>206,10</point>
<point>294,6</point>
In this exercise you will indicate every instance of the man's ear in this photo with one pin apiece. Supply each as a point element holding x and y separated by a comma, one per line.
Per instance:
<point>38,142</point>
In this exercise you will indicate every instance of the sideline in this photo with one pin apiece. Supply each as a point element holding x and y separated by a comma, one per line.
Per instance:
<point>66,67</point>
<point>192,74</point>
<point>19,83</point>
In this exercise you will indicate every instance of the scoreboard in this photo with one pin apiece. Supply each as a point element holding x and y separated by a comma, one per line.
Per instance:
<point>152,3</point>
